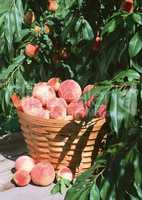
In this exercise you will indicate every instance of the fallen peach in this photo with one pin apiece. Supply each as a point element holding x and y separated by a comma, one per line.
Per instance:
<point>65,173</point>
<point>25,163</point>
<point>22,178</point>
<point>43,174</point>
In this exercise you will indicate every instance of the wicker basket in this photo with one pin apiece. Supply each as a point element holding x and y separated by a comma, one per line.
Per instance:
<point>63,142</point>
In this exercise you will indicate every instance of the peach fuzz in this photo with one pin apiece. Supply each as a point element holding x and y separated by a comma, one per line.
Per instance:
<point>43,174</point>
<point>70,90</point>
<point>65,173</point>
<point>21,178</point>
<point>25,163</point>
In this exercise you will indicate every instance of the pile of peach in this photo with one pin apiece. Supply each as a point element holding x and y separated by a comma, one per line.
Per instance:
<point>42,173</point>
<point>57,100</point>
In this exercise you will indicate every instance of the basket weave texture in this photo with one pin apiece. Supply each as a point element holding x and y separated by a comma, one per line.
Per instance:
<point>63,142</point>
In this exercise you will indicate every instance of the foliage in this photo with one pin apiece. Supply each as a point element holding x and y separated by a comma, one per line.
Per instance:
<point>68,49</point>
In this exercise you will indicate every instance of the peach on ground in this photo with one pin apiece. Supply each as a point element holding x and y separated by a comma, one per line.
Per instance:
<point>32,106</point>
<point>70,90</point>
<point>22,178</point>
<point>65,173</point>
<point>43,92</point>
<point>43,174</point>
<point>25,163</point>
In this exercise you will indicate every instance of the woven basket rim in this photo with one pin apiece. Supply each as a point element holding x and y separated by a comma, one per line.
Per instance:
<point>56,121</point>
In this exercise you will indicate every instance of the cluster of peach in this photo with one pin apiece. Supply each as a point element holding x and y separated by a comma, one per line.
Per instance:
<point>42,173</point>
<point>57,100</point>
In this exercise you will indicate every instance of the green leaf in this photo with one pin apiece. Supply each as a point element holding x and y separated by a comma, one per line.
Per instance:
<point>130,105</point>
<point>135,44</point>
<point>56,188</point>
<point>130,74</point>
<point>73,194</point>
<point>94,193</point>
<point>137,17</point>
<point>85,194</point>
<point>116,114</point>
<point>137,66</point>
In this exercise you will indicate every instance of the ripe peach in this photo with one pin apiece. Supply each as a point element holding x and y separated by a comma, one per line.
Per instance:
<point>31,50</point>
<point>58,112</point>
<point>25,163</point>
<point>70,90</point>
<point>87,89</point>
<point>127,5</point>
<point>57,108</point>
<point>22,178</point>
<point>43,92</point>
<point>65,173</point>
<point>52,5</point>
<point>43,174</point>
<point>32,106</point>
<point>77,110</point>
<point>56,102</point>
<point>54,83</point>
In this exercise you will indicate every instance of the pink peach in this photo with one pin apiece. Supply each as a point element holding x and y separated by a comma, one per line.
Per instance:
<point>43,174</point>
<point>43,92</point>
<point>65,173</point>
<point>22,178</point>
<point>24,163</point>
<point>77,110</point>
<point>70,90</point>
<point>54,83</point>
<point>32,106</point>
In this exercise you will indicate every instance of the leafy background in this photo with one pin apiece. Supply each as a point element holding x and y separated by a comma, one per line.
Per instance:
<point>68,50</point>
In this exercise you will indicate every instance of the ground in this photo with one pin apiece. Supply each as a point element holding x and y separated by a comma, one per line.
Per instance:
<point>11,146</point>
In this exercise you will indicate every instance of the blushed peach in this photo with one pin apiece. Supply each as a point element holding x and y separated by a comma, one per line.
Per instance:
<point>70,90</point>
<point>31,50</point>
<point>32,106</point>
<point>43,92</point>
<point>43,174</point>
<point>77,110</point>
<point>65,173</point>
<point>25,163</point>
<point>54,83</point>
<point>22,178</point>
